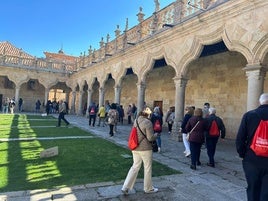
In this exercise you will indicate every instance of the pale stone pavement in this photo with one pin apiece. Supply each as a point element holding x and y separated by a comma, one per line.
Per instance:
<point>225,182</point>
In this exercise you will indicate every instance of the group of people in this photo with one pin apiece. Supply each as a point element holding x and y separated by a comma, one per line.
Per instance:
<point>108,114</point>
<point>201,126</point>
<point>8,105</point>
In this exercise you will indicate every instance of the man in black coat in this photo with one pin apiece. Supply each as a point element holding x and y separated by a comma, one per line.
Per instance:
<point>255,167</point>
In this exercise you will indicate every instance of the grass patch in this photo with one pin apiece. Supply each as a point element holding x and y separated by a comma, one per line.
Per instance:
<point>80,161</point>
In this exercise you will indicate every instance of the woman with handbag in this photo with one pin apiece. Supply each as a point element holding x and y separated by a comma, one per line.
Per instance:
<point>197,127</point>
<point>142,154</point>
<point>189,111</point>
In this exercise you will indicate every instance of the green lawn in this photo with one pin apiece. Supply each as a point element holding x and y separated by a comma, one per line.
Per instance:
<point>80,161</point>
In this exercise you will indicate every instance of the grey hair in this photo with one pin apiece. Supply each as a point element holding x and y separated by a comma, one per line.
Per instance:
<point>263,99</point>
<point>212,110</point>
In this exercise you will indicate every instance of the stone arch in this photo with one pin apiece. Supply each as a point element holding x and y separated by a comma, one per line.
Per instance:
<point>261,49</point>
<point>149,62</point>
<point>196,48</point>
<point>237,46</point>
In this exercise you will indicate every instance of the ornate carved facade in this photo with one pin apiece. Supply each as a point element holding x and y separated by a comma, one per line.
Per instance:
<point>188,53</point>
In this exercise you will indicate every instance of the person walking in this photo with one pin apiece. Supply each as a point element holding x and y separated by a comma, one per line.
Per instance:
<point>37,106</point>
<point>215,129</point>
<point>20,104</point>
<point>170,117</point>
<point>101,114</point>
<point>157,121</point>
<point>142,154</point>
<point>189,111</point>
<point>255,167</point>
<point>129,114</point>
<point>92,111</point>
<point>197,125</point>
<point>62,112</point>
<point>112,118</point>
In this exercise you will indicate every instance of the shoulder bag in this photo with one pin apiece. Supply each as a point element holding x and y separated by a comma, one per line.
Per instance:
<point>188,134</point>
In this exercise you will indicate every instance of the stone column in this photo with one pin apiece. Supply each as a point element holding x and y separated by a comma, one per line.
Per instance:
<point>80,106</point>
<point>141,94</point>
<point>55,95</point>
<point>73,102</point>
<point>46,95</point>
<point>255,76</point>
<point>101,96</point>
<point>67,94</point>
<point>17,94</point>
<point>180,86</point>
<point>89,97</point>
<point>117,94</point>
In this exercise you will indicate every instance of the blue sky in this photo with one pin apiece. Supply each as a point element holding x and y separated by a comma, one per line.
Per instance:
<point>37,26</point>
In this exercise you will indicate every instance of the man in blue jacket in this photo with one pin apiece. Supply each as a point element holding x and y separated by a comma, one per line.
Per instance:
<point>255,167</point>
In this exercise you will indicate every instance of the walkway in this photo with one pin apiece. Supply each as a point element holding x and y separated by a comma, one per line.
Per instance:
<point>226,182</point>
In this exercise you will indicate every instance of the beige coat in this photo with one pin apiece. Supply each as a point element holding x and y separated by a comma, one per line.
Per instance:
<point>147,128</point>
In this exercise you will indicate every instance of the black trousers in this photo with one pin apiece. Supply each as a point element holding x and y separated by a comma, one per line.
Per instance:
<point>195,149</point>
<point>257,180</point>
<point>92,118</point>
<point>111,129</point>
<point>211,143</point>
<point>129,119</point>
<point>61,117</point>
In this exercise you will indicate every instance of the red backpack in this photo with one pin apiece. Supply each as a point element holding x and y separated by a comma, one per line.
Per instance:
<point>214,129</point>
<point>157,126</point>
<point>259,143</point>
<point>133,139</point>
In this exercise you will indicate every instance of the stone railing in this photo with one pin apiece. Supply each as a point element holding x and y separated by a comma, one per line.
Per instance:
<point>39,64</point>
<point>169,16</point>
<point>172,15</point>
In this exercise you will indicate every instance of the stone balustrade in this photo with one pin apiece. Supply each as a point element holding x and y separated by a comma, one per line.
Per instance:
<point>165,18</point>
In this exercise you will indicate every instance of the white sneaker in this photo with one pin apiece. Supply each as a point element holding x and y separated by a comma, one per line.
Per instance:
<point>187,154</point>
<point>159,149</point>
<point>124,191</point>
<point>154,190</point>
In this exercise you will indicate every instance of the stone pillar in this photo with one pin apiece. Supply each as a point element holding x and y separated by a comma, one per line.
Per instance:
<point>117,93</point>
<point>55,95</point>
<point>46,95</point>
<point>101,96</point>
<point>73,102</point>
<point>80,106</point>
<point>141,94</point>
<point>17,93</point>
<point>255,76</point>
<point>67,94</point>
<point>180,86</point>
<point>89,97</point>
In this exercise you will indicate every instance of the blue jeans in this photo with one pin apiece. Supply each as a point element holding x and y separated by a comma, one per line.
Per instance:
<point>158,141</point>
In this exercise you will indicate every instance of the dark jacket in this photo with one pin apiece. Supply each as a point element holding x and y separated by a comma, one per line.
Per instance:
<point>246,131</point>
<point>93,110</point>
<point>220,124</point>
<point>184,122</point>
<point>156,116</point>
<point>198,134</point>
